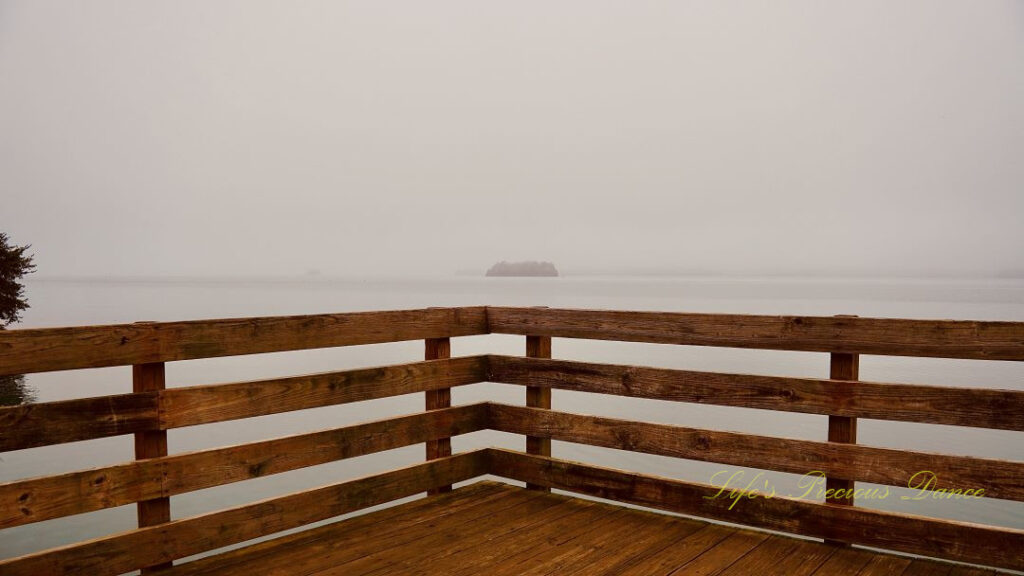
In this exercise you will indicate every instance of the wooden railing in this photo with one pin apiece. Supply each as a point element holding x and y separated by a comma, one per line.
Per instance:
<point>152,409</point>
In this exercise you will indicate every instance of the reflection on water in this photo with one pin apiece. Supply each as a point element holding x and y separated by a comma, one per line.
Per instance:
<point>15,390</point>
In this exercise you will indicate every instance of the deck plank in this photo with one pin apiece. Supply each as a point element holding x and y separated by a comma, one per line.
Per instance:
<point>844,561</point>
<point>538,551</point>
<point>926,568</point>
<point>679,552</point>
<point>359,549</point>
<point>671,531</point>
<point>493,529</point>
<point>528,539</point>
<point>590,552</point>
<point>497,529</point>
<point>722,555</point>
<point>781,556</point>
<point>293,552</point>
<point>884,565</point>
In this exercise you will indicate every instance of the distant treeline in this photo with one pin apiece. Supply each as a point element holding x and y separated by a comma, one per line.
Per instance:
<point>531,268</point>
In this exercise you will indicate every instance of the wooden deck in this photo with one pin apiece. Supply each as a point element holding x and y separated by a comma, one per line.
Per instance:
<point>496,529</point>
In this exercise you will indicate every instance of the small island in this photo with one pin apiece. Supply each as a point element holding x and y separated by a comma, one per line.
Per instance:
<point>531,268</point>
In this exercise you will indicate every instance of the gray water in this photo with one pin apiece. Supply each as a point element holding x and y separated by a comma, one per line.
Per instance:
<point>82,302</point>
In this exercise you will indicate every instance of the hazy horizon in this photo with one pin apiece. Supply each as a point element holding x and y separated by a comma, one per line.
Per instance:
<point>361,138</point>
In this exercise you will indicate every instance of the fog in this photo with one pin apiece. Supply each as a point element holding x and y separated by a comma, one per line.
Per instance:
<point>275,138</point>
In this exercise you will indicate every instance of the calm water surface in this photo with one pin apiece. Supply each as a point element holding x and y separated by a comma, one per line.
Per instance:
<point>68,303</point>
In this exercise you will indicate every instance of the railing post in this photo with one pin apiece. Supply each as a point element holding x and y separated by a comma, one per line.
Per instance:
<point>151,444</point>
<point>538,397</point>
<point>437,348</point>
<point>842,429</point>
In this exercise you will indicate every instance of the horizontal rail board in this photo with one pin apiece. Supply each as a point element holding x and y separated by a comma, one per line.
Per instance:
<point>127,551</point>
<point>47,349</point>
<point>914,534</point>
<point>33,425</point>
<point>898,337</point>
<point>38,499</point>
<point>999,409</point>
<point>220,402</point>
<point>999,478</point>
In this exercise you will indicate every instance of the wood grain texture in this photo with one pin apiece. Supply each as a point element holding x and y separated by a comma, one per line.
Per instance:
<point>150,444</point>
<point>999,478</point>
<point>842,429</point>
<point>37,499</point>
<point>219,402</point>
<point>434,349</point>
<point>46,349</point>
<point>538,397</point>
<point>724,554</point>
<point>900,532</point>
<point>1000,409</point>
<point>34,425</point>
<point>501,530</point>
<point>305,552</point>
<point>158,544</point>
<point>935,338</point>
<point>781,556</point>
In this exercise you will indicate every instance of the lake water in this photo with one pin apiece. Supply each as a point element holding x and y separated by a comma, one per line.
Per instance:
<point>81,302</point>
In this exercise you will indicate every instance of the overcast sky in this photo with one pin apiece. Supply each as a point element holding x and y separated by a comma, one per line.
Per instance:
<point>222,138</point>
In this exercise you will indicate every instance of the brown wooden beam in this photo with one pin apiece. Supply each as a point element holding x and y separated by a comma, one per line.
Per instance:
<point>538,397</point>
<point>892,467</point>
<point>154,545</point>
<point>1000,409</point>
<point>45,498</point>
<point>438,348</point>
<point>219,402</point>
<point>936,338</point>
<point>45,423</point>
<point>32,425</point>
<point>947,539</point>
<point>842,429</point>
<point>151,444</point>
<point>24,351</point>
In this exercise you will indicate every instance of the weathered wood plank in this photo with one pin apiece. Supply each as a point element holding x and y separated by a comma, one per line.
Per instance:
<point>37,499</point>
<point>884,564</point>
<point>662,560</point>
<point>34,425</point>
<point>926,568</point>
<point>1000,409</point>
<point>538,397</point>
<point>147,546</point>
<point>519,532</point>
<point>999,478</point>
<point>149,444</point>
<point>451,538</point>
<point>780,556</point>
<point>935,338</point>
<point>540,548</point>
<point>372,550</point>
<point>434,349</point>
<point>840,490</point>
<point>901,532</point>
<point>723,554</point>
<point>219,402</point>
<point>45,349</point>
<point>595,548</point>
<point>845,561</point>
<point>303,552</point>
